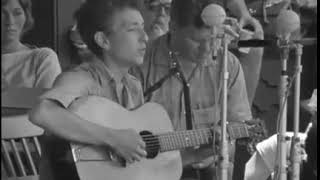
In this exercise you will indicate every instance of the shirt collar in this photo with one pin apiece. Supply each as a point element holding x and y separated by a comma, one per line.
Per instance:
<point>109,75</point>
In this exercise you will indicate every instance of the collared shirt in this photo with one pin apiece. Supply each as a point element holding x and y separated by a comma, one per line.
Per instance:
<point>90,78</point>
<point>205,87</point>
<point>94,78</point>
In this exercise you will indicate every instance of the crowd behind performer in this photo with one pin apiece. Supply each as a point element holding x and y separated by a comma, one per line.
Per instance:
<point>190,39</point>
<point>23,65</point>
<point>251,60</point>
<point>263,162</point>
<point>156,14</point>
<point>114,31</point>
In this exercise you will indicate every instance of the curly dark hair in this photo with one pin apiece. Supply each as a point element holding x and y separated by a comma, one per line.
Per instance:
<point>27,8</point>
<point>188,12</point>
<point>96,15</point>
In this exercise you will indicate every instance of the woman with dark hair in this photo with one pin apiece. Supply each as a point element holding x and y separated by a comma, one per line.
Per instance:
<point>23,65</point>
<point>113,30</point>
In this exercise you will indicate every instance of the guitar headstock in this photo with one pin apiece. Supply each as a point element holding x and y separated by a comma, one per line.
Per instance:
<point>257,133</point>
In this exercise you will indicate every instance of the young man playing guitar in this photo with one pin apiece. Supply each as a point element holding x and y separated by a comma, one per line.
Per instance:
<point>114,31</point>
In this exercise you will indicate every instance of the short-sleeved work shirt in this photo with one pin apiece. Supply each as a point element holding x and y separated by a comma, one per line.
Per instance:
<point>92,78</point>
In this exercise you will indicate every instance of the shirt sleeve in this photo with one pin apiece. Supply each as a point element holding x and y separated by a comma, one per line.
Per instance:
<point>238,104</point>
<point>69,86</point>
<point>256,168</point>
<point>267,149</point>
<point>48,68</point>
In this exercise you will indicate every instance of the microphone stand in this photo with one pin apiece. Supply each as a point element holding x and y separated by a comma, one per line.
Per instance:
<point>295,156</point>
<point>281,138</point>
<point>224,155</point>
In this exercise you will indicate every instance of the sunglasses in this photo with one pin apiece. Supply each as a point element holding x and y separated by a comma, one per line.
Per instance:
<point>157,6</point>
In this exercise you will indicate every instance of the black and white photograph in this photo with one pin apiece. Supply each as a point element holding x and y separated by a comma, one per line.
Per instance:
<point>159,90</point>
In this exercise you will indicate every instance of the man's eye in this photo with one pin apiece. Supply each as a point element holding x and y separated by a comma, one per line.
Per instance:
<point>133,29</point>
<point>18,13</point>
<point>153,7</point>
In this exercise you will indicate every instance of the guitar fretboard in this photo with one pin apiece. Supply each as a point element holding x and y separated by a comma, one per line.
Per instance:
<point>183,139</point>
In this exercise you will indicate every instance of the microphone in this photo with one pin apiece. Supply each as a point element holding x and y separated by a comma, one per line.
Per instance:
<point>214,16</point>
<point>270,42</point>
<point>286,23</point>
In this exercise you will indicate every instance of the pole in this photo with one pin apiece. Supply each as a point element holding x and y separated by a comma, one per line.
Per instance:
<point>224,160</point>
<point>295,155</point>
<point>281,138</point>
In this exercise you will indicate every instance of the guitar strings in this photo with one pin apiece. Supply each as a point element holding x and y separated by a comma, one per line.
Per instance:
<point>152,137</point>
<point>184,133</point>
<point>178,133</point>
<point>157,137</point>
<point>193,132</point>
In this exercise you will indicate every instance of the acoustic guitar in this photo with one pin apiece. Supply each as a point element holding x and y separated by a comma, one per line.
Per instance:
<point>162,143</point>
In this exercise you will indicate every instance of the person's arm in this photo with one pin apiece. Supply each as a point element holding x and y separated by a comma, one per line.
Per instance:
<point>52,115</point>
<point>251,62</point>
<point>238,104</point>
<point>239,9</point>
<point>256,168</point>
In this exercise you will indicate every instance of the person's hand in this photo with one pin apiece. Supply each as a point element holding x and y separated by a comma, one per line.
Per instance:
<point>128,144</point>
<point>202,156</point>
<point>205,163</point>
<point>248,20</point>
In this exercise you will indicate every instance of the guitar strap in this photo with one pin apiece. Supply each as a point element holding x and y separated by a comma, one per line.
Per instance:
<point>186,89</point>
<point>175,69</point>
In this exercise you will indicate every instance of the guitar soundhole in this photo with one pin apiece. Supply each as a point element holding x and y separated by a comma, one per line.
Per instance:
<point>152,144</point>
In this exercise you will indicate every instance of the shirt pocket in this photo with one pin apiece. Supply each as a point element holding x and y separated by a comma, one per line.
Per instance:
<point>206,117</point>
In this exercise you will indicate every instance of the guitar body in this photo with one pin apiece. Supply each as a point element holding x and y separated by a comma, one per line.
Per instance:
<point>98,166</point>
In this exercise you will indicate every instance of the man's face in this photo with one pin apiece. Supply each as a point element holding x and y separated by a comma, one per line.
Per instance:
<point>193,43</point>
<point>128,38</point>
<point>157,17</point>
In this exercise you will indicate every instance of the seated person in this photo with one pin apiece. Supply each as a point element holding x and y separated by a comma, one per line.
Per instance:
<point>23,65</point>
<point>114,31</point>
<point>187,44</point>
<point>263,162</point>
<point>156,14</point>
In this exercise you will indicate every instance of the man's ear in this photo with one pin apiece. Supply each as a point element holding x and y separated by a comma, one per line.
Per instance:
<point>172,26</point>
<point>102,41</point>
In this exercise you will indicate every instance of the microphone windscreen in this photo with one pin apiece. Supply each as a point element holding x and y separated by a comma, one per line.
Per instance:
<point>287,22</point>
<point>213,15</point>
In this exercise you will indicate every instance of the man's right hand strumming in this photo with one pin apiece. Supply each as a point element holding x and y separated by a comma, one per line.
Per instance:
<point>128,144</point>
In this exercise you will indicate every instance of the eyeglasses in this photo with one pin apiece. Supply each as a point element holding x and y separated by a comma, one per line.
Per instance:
<point>157,7</point>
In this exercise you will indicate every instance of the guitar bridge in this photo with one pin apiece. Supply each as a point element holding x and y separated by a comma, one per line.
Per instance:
<point>76,154</point>
<point>89,153</point>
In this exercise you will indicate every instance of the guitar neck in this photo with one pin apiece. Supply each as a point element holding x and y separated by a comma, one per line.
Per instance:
<point>190,138</point>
